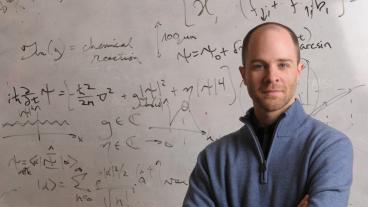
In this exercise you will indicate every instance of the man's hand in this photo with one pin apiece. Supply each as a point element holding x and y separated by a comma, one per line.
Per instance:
<point>304,202</point>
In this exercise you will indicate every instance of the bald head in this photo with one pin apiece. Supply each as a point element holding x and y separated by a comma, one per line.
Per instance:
<point>269,26</point>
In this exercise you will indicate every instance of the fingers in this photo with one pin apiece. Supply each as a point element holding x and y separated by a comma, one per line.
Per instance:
<point>304,202</point>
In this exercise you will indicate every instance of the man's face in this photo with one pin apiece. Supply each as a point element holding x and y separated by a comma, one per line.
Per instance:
<point>271,71</point>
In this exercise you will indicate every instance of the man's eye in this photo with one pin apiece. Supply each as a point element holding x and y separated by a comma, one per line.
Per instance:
<point>284,65</point>
<point>258,66</point>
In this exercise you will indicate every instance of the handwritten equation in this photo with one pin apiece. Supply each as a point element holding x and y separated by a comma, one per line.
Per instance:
<point>150,95</point>
<point>88,186</point>
<point>105,51</point>
<point>309,8</point>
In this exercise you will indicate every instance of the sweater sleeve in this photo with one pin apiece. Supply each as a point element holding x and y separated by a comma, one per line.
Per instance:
<point>199,192</point>
<point>331,173</point>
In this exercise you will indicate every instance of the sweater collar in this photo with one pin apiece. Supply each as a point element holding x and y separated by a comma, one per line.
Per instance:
<point>289,121</point>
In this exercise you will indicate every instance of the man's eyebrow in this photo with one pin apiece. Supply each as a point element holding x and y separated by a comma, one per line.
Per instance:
<point>284,60</point>
<point>278,60</point>
<point>257,60</point>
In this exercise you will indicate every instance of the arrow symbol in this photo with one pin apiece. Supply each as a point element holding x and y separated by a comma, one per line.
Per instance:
<point>158,24</point>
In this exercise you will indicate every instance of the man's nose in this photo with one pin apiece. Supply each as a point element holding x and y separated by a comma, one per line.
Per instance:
<point>272,74</point>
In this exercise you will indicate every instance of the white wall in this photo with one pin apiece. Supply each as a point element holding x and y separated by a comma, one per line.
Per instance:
<point>120,151</point>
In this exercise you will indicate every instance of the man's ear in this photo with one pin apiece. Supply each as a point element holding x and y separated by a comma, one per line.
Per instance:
<point>300,68</point>
<point>242,72</point>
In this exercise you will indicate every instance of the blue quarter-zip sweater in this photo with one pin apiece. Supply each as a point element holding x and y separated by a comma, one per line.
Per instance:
<point>306,157</point>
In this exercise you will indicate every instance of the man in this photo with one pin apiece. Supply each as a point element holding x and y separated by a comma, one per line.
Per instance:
<point>281,157</point>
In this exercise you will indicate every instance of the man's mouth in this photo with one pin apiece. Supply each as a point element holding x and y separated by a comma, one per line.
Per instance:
<point>272,92</point>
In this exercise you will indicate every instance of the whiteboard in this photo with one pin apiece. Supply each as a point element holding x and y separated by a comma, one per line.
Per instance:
<point>107,103</point>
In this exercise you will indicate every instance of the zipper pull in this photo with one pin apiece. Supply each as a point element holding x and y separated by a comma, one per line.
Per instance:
<point>263,172</point>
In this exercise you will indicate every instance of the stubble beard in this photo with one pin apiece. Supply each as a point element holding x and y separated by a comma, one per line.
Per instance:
<point>274,103</point>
